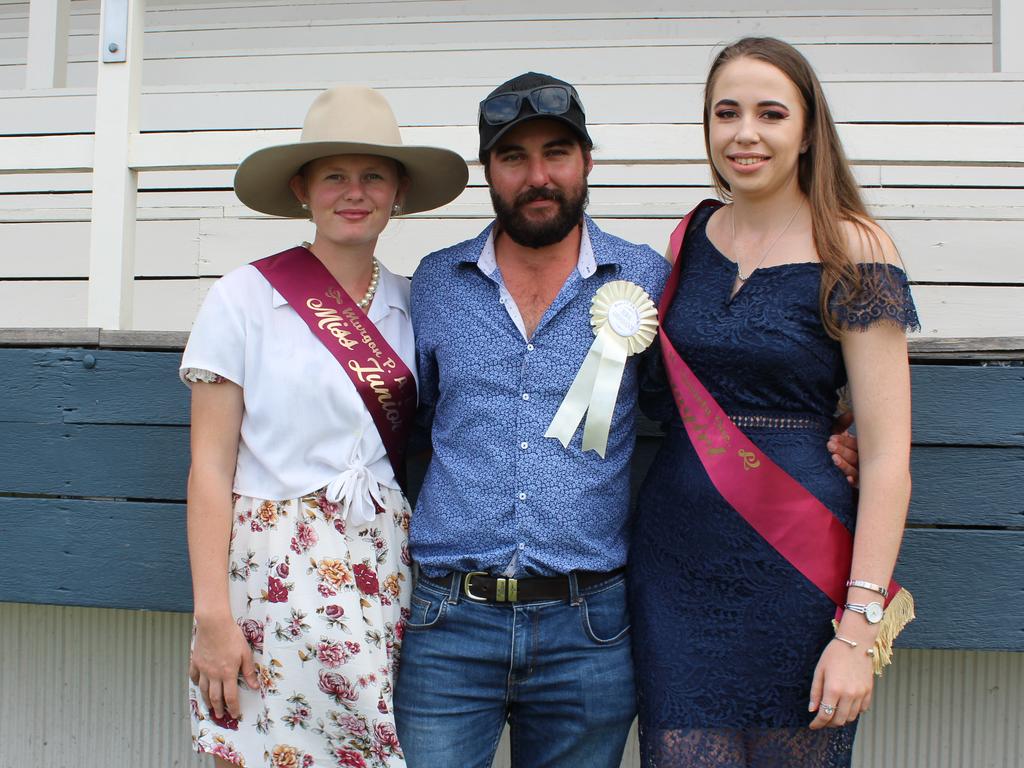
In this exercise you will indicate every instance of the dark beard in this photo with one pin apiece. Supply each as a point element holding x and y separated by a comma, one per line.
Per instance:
<point>531,234</point>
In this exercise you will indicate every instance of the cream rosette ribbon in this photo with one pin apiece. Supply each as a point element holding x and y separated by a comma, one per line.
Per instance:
<point>625,322</point>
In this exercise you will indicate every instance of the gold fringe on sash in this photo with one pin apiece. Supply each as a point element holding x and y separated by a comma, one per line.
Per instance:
<point>898,614</point>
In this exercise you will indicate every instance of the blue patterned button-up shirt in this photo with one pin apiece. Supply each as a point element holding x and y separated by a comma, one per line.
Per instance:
<point>498,495</point>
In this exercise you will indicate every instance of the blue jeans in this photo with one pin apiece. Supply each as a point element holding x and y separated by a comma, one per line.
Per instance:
<point>560,673</point>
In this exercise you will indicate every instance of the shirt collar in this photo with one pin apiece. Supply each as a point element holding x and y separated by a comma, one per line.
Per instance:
<point>586,264</point>
<point>605,251</point>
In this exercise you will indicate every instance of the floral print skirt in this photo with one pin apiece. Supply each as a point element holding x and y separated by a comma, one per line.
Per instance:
<point>323,606</point>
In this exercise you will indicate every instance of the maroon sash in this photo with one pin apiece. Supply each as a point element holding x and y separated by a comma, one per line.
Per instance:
<point>781,510</point>
<point>382,380</point>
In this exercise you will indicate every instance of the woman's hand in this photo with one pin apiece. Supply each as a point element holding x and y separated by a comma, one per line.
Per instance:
<point>219,654</point>
<point>843,681</point>
<point>220,650</point>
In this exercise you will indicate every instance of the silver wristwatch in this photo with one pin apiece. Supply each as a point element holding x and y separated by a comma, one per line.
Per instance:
<point>873,612</point>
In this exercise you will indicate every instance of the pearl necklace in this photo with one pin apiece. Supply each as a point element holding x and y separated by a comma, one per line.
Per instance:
<point>371,289</point>
<point>367,299</point>
<point>739,269</point>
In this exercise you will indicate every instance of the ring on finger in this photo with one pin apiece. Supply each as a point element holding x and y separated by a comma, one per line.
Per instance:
<point>828,709</point>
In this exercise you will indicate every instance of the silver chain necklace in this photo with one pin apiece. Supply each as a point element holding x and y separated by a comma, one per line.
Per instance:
<point>739,269</point>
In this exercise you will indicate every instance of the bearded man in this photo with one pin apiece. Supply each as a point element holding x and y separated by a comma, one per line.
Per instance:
<point>519,614</point>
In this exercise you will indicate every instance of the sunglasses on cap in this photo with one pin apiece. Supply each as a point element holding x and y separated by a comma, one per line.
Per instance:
<point>545,99</point>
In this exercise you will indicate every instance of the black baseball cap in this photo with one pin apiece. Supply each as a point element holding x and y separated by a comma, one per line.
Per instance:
<point>527,97</point>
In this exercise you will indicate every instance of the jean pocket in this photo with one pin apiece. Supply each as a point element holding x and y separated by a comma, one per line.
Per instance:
<point>605,615</point>
<point>426,610</point>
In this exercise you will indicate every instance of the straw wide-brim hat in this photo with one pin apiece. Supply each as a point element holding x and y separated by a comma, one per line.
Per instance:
<point>341,121</point>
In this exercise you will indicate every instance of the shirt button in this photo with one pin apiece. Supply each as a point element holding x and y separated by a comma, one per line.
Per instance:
<point>530,347</point>
<point>526,395</point>
<point>522,496</point>
<point>501,300</point>
<point>522,546</point>
<point>524,445</point>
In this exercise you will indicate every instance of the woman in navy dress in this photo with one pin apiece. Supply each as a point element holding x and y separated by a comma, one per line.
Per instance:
<point>787,294</point>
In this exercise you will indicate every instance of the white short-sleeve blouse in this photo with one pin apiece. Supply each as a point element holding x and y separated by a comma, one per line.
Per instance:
<point>304,425</point>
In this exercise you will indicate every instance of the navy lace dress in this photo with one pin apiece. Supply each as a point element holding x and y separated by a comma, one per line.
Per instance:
<point>726,632</point>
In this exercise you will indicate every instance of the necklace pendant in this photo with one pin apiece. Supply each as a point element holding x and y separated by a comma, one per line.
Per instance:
<point>739,271</point>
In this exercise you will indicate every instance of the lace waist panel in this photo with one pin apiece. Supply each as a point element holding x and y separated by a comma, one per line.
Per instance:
<point>781,420</point>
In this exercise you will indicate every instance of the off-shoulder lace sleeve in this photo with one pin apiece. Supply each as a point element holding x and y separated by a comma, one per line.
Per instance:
<point>884,294</point>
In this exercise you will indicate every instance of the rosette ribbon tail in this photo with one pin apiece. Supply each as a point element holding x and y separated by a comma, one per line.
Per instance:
<point>625,322</point>
<point>593,392</point>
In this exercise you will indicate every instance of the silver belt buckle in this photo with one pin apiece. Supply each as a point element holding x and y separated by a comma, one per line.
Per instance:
<point>467,586</point>
<point>505,590</point>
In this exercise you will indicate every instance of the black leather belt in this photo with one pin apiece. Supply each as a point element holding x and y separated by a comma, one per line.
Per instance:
<point>484,588</point>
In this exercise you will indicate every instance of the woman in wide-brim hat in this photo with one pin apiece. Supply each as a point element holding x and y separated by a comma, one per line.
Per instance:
<point>297,524</point>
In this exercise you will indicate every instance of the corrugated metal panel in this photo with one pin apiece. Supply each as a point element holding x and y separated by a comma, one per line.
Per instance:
<point>94,688</point>
<point>947,709</point>
<point>85,688</point>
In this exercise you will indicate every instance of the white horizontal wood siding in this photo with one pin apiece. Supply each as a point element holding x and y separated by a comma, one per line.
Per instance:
<point>99,688</point>
<point>935,134</point>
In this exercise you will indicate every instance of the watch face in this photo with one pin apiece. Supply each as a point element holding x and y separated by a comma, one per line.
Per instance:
<point>874,612</point>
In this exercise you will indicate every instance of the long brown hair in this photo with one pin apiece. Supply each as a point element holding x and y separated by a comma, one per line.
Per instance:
<point>823,172</point>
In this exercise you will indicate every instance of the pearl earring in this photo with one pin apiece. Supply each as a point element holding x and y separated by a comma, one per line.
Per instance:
<point>396,209</point>
<point>304,206</point>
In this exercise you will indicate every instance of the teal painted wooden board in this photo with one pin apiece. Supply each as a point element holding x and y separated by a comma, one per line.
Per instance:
<point>960,486</point>
<point>125,387</point>
<point>953,405</point>
<point>109,460</point>
<point>967,486</point>
<point>967,587</point>
<point>92,386</point>
<point>132,555</point>
<point>94,553</point>
<point>952,486</point>
<point>968,405</point>
<point>32,384</point>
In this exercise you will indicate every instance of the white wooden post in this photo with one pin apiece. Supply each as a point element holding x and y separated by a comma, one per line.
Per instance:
<point>114,182</point>
<point>47,60</point>
<point>1008,35</point>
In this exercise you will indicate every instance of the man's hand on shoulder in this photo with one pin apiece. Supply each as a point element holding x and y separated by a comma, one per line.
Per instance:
<point>843,447</point>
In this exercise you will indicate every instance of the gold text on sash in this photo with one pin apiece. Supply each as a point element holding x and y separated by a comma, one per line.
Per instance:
<point>710,432</point>
<point>750,460</point>
<point>374,371</point>
<point>328,319</point>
